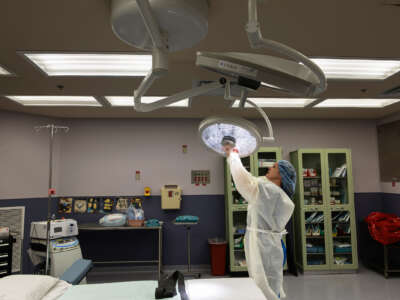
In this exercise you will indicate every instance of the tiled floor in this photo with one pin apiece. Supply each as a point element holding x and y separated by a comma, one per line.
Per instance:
<point>365,285</point>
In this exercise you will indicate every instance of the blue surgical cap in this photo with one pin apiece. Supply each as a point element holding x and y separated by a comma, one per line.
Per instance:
<point>288,175</point>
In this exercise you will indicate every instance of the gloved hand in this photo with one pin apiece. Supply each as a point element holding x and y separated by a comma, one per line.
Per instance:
<point>228,149</point>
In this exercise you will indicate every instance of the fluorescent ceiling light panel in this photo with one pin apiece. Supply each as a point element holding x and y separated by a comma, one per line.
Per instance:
<point>277,102</point>
<point>4,72</point>
<point>341,68</point>
<point>128,101</point>
<point>92,64</point>
<point>357,103</point>
<point>55,100</point>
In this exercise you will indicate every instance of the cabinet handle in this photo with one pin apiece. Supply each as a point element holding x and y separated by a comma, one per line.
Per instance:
<point>3,265</point>
<point>4,272</point>
<point>4,245</point>
<point>4,256</point>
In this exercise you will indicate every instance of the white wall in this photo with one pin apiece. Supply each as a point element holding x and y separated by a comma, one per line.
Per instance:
<point>24,156</point>
<point>100,156</point>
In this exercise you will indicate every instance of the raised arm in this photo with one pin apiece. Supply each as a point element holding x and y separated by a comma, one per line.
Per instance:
<point>246,183</point>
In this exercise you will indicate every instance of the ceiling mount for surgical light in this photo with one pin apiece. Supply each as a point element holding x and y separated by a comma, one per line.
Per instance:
<point>181,23</point>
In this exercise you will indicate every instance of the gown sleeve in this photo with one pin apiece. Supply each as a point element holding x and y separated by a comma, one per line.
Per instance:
<point>246,184</point>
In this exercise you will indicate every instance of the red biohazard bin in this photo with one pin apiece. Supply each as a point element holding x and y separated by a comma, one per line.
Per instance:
<point>218,256</point>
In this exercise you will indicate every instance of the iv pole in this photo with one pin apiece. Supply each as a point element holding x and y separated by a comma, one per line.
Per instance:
<point>53,130</point>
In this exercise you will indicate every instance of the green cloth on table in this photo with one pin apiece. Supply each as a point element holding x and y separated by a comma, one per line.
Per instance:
<point>187,219</point>
<point>152,223</point>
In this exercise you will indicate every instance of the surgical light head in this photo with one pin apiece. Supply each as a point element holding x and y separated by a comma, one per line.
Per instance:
<point>215,132</point>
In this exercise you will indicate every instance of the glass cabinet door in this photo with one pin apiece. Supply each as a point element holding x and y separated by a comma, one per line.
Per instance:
<point>238,231</point>
<point>312,179</point>
<point>315,239</point>
<point>338,179</point>
<point>264,160</point>
<point>342,238</point>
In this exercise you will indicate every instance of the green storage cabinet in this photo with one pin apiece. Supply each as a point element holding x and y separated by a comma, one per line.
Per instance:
<point>324,219</point>
<point>236,208</point>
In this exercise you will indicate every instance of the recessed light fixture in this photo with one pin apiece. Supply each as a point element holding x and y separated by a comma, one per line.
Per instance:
<point>278,102</point>
<point>342,68</point>
<point>91,64</point>
<point>357,103</point>
<point>128,101</point>
<point>55,100</point>
<point>4,72</point>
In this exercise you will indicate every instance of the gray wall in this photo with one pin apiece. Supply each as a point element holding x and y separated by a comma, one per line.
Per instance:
<point>24,156</point>
<point>389,155</point>
<point>358,135</point>
<point>100,157</point>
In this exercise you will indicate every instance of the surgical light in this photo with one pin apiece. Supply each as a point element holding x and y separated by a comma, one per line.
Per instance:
<point>55,100</point>
<point>92,64</point>
<point>128,101</point>
<point>357,103</point>
<point>166,26</point>
<point>342,68</point>
<point>214,129</point>
<point>243,134</point>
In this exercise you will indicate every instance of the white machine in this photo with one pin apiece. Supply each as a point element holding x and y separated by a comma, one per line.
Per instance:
<point>63,253</point>
<point>64,245</point>
<point>58,229</point>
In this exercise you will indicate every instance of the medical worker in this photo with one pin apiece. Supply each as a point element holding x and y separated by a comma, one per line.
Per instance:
<point>269,210</point>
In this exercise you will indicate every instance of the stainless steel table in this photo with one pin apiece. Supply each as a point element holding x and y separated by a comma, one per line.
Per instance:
<point>97,227</point>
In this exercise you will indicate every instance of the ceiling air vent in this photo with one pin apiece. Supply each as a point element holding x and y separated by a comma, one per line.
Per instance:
<point>392,92</point>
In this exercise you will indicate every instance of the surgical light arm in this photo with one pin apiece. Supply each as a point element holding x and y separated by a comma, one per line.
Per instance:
<point>257,41</point>
<point>270,138</point>
<point>242,102</point>
<point>160,67</point>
